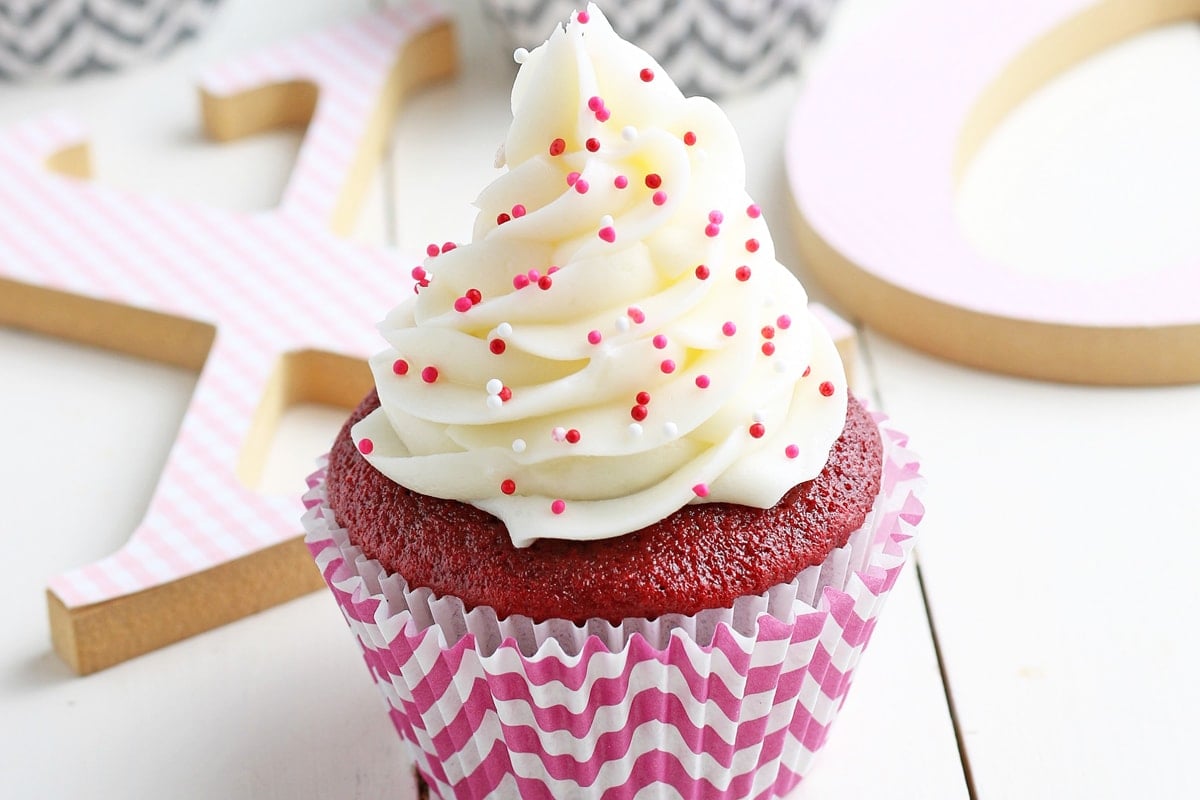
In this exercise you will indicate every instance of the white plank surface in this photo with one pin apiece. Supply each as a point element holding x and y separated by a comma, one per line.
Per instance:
<point>216,716</point>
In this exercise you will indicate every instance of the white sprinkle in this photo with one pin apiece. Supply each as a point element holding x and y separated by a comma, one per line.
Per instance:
<point>518,445</point>
<point>500,158</point>
<point>760,415</point>
<point>622,324</point>
<point>494,401</point>
<point>635,429</point>
<point>504,330</point>
<point>629,133</point>
<point>780,366</point>
<point>559,434</point>
<point>606,221</point>
<point>670,430</point>
<point>520,54</point>
<point>494,386</point>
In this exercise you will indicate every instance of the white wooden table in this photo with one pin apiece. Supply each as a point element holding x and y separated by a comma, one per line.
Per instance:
<point>1057,557</point>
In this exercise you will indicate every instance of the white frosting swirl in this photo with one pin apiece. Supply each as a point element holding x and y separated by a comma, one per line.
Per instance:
<point>618,339</point>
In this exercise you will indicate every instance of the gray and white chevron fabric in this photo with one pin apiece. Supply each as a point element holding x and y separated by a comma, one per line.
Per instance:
<point>64,38</point>
<point>710,47</point>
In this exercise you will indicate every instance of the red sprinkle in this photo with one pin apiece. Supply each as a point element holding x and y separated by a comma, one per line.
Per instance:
<point>768,332</point>
<point>545,282</point>
<point>768,348</point>
<point>595,103</point>
<point>474,296</point>
<point>757,430</point>
<point>667,366</point>
<point>603,115</point>
<point>711,230</point>
<point>432,250</point>
<point>592,144</point>
<point>646,75</point>
<point>429,374</point>
<point>448,246</point>
<point>702,272</point>
<point>639,412</point>
<point>365,446</point>
<point>643,398</point>
<point>505,394</point>
<point>653,180</point>
<point>558,506</point>
<point>573,436</point>
<point>742,273</point>
<point>508,486</point>
<point>558,147</point>
<point>752,245</point>
<point>807,372</point>
<point>703,381</point>
<point>419,273</point>
<point>689,138</point>
<point>497,346</point>
<point>826,389</point>
<point>502,218</point>
<point>791,451</point>
<point>400,366</point>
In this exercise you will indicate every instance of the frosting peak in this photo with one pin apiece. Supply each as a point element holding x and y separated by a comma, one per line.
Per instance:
<point>617,340</point>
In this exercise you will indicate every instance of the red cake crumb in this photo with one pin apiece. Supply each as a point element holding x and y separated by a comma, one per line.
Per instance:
<point>702,556</point>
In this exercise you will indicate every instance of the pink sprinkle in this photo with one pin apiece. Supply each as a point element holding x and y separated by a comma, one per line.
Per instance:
<point>659,198</point>
<point>757,430</point>
<point>667,366</point>
<point>594,337</point>
<point>429,374</point>
<point>660,341</point>
<point>448,246</point>
<point>571,178</point>
<point>689,138</point>
<point>784,321</point>
<point>365,446</point>
<point>552,270</point>
<point>768,332</point>
<point>711,230</point>
<point>807,372</point>
<point>702,272</point>
<point>583,18</point>
<point>729,329</point>
<point>432,250</point>
<point>595,103</point>
<point>463,304</point>
<point>419,273</point>
<point>700,490</point>
<point>716,217</point>
<point>742,273</point>
<point>603,115</point>
<point>558,506</point>
<point>620,181</point>
<point>518,211</point>
<point>826,389</point>
<point>592,144</point>
<point>646,75</point>
<point>768,348</point>
<point>791,451</point>
<point>545,282</point>
<point>751,244</point>
<point>400,366</point>
<point>636,314</point>
<point>608,234</point>
<point>753,211</point>
<point>582,186</point>
<point>533,275</point>
<point>520,280</point>
<point>703,381</point>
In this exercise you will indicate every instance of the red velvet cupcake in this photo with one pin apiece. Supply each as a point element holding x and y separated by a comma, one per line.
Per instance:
<point>611,524</point>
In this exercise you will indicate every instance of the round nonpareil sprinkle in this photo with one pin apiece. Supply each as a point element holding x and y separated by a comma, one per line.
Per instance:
<point>365,446</point>
<point>700,490</point>
<point>518,445</point>
<point>508,486</point>
<point>558,506</point>
<point>758,430</point>
<point>826,389</point>
<point>742,273</point>
<point>729,329</point>
<point>702,272</point>
<point>791,451</point>
<point>429,374</point>
<point>400,366</point>
<point>703,381</point>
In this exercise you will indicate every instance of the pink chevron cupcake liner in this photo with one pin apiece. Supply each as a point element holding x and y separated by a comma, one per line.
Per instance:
<point>728,703</point>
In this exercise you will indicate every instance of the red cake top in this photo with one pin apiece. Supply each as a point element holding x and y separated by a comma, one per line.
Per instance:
<point>702,556</point>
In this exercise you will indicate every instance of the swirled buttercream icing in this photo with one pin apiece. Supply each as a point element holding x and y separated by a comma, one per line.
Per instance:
<point>617,339</point>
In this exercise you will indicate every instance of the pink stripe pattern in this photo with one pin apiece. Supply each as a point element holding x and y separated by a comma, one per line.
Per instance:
<point>272,283</point>
<point>488,711</point>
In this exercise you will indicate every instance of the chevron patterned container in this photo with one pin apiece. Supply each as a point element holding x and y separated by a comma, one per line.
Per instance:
<point>728,704</point>
<point>710,47</point>
<point>49,39</point>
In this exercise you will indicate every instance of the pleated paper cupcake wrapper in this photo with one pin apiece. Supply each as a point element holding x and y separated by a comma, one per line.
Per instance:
<point>49,39</point>
<point>715,47</point>
<point>725,704</point>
